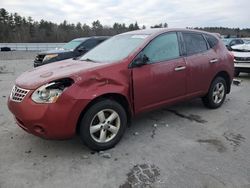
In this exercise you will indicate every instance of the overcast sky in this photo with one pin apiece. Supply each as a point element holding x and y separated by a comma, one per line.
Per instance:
<point>177,13</point>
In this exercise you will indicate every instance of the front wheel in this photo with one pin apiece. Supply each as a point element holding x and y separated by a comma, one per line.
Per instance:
<point>216,94</point>
<point>103,125</point>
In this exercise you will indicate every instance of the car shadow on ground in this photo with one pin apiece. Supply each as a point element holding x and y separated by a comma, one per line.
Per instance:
<point>141,124</point>
<point>182,110</point>
<point>54,148</point>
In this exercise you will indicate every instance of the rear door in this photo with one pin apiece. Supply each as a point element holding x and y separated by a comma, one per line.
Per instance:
<point>164,77</point>
<point>199,61</point>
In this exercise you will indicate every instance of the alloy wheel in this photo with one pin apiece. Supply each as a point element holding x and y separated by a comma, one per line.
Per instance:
<point>218,93</point>
<point>105,125</point>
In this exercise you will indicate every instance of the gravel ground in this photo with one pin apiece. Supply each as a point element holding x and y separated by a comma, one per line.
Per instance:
<point>18,55</point>
<point>183,146</point>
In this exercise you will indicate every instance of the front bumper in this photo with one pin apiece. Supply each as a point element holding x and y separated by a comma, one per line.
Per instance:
<point>241,64</point>
<point>52,121</point>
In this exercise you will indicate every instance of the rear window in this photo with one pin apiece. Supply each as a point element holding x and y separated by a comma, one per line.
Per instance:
<point>212,41</point>
<point>194,43</point>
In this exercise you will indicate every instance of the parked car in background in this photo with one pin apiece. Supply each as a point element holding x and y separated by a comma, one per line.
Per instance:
<point>241,58</point>
<point>72,49</point>
<point>5,49</point>
<point>247,40</point>
<point>134,72</point>
<point>231,42</point>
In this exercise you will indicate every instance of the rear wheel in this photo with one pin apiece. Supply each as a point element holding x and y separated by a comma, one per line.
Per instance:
<point>103,125</point>
<point>217,93</point>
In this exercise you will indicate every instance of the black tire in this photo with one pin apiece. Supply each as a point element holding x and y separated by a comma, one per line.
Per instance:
<point>236,73</point>
<point>209,100</point>
<point>86,121</point>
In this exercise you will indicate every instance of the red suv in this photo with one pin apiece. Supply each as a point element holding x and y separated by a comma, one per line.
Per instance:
<point>130,73</point>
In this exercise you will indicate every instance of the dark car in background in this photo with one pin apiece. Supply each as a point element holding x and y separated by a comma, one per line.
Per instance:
<point>72,49</point>
<point>5,49</point>
<point>229,42</point>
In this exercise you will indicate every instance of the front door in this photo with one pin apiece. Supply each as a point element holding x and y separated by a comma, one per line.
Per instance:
<point>163,78</point>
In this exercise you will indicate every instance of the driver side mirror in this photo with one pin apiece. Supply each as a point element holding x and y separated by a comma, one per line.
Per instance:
<point>140,60</point>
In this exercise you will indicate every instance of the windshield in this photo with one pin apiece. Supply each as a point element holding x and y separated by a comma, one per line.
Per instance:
<point>115,48</point>
<point>71,45</point>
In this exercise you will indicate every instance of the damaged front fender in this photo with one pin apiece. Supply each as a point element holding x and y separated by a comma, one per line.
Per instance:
<point>113,79</point>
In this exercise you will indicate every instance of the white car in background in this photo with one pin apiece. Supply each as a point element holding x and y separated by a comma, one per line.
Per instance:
<point>246,40</point>
<point>241,58</point>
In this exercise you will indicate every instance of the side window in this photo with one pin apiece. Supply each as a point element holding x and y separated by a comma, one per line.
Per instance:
<point>194,42</point>
<point>162,48</point>
<point>89,44</point>
<point>212,41</point>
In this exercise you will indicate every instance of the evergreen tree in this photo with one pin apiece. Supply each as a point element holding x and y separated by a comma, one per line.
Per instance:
<point>15,28</point>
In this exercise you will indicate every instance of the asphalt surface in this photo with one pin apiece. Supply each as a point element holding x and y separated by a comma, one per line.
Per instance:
<point>183,146</point>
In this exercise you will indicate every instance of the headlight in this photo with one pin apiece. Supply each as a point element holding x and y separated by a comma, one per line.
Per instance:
<point>50,56</point>
<point>49,93</point>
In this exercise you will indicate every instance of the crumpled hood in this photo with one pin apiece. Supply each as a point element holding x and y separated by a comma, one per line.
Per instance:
<point>241,47</point>
<point>41,75</point>
<point>241,50</point>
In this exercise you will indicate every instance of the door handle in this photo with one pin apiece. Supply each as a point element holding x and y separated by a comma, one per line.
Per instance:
<point>212,61</point>
<point>180,68</point>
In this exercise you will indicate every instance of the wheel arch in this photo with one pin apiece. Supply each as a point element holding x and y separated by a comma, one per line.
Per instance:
<point>121,99</point>
<point>227,78</point>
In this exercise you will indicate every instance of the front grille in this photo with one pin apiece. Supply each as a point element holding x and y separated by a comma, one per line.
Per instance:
<point>39,58</point>
<point>242,58</point>
<point>17,94</point>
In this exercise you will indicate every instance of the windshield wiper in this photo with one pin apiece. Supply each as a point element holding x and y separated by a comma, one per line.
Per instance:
<point>87,59</point>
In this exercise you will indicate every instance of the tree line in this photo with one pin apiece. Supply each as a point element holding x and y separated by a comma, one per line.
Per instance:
<point>227,32</point>
<point>16,28</point>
